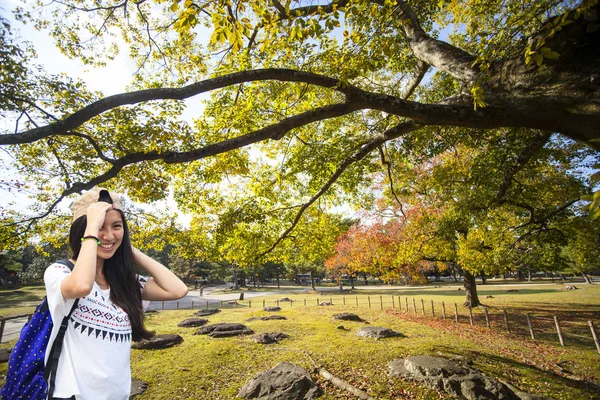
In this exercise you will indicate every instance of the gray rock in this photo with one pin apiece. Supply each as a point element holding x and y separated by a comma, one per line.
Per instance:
<point>273,317</point>
<point>285,299</point>
<point>268,338</point>
<point>377,332</point>
<point>455,379</point>
<point>326,303</point>
<point>206,311</point>
<point>224,330</point>
<point>192,322</point>
<point>285,381</point>
<point>158,342</point>
<point>348,317</point>
<point>272,308</point>
<point>137,387</point>
<point>267,318</point>
<point>4,355</point>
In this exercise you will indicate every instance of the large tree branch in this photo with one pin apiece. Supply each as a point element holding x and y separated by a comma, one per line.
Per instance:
<point>442,55</point>
<point>539,113</point>
<point>274,132</point>
<point>98,107</point>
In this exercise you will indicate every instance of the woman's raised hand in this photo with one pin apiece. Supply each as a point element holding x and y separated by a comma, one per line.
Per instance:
<point>96,213</point>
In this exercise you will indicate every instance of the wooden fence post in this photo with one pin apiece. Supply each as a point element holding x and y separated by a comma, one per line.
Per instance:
<point>263,303</point>
<point>381,302</point>
<point>192,304</point>
<point>2,323</point>
<point>590,323</point>
<point>177,305</point>
<point>277,302</point>
<point>406,303</point>
<point>221,304</point>
<point>506,321</point>
<point>29,316</point>
<point>162,307</point>
<point>443,310</point>
<point>369,298</point>
<point>357,301</point>
<point>559,332</point>
<point>471,315</point>
<point>432,310</point>
<point>344,300</point>
<point>530,326</point>
<point>330,301</point>
<point>393,304</point>
<point>249,303</point>
<point>305,301</point>
<point>422,307</point>
<point>487,319</point>
<point>455,312</point>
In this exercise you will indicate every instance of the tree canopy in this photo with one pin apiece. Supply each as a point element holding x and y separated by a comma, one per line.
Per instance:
<point>304,103</point>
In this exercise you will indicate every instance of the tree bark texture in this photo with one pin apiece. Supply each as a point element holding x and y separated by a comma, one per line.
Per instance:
<point>472,300</point>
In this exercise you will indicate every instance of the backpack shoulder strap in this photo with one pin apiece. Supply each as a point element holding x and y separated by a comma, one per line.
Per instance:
<point>52,364</point>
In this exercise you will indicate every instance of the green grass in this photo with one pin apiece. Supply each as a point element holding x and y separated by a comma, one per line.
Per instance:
<point>207,368</point>
<point>20,301</point>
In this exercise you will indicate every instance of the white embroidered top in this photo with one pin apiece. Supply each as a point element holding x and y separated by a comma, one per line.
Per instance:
<point>95,359</point>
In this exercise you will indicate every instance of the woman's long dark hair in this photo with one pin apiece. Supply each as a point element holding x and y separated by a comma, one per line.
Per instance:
<point>125,290</point>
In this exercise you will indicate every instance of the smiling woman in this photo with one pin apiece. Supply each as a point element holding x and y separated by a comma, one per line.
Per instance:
<point>109,299</point>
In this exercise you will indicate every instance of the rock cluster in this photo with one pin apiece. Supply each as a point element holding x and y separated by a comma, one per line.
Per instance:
<point>348,317</point>
<point>224,330</point>
<point>455,379</point>
<point>377,332</point>
<point>272,309</point>
<point>285,381</point>
<point>192,322</point>
<point>158,342</point>
<point>206,311</point>
<point>268,338</point>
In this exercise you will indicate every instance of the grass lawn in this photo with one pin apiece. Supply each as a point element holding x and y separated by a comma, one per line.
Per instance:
<point>20,301</point>
<point>206,368</point>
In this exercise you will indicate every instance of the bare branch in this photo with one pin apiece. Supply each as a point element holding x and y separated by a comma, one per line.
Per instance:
<point>365,149</point>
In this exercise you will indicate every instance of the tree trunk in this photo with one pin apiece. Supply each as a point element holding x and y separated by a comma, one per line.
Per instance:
<point>365,278</point>
<point>235,280</point>
<point>470,285</point>
<point>483,278</point>
<point>521,277</point>
<point>277,279</point>
<point>529,275</point>
<point>341,285</point>
<point>586,278</point>
<point>312,281</point>
<point>351,282</point>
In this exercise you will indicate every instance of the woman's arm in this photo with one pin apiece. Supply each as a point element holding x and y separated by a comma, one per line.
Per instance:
<point>163,284</point>
<point>80,282</point>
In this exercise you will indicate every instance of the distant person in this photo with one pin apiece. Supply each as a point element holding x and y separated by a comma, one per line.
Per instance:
<point>94,363</point>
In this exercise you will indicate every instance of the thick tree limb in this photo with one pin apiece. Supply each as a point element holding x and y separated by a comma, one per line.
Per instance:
<point>533,147</point>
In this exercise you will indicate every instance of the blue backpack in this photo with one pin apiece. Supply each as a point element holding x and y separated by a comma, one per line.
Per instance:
<point>27,378</point>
